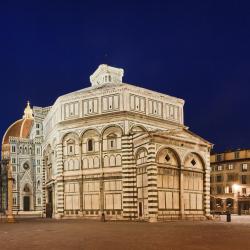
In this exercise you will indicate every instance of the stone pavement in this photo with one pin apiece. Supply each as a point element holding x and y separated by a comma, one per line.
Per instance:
<point>32,234</point>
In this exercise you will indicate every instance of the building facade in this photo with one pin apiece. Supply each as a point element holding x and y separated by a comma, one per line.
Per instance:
<point>230,181</point>
<point>119,150</point>
<point>22,150</point>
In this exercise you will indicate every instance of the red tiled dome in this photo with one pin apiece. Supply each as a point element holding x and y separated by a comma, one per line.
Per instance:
<point>20,128</point>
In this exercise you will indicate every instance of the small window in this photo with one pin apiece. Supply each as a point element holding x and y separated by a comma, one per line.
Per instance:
<point>37,125</point>
<point>219,189</point>
<point>230,167</point>
<point>219,178</point>
<point>244,190</point>
<point>244,167</point>
<point>219,168</point>
<point>90,145</point>
<point>237,155</point>
<point>244,179</point>
<point>38,185</point>
<point>230,177</point>
<point>70,148</point>
<point>37,132</point>
<point>109,78</point>
<point>13,149</point>
<point>112,141</point>
<point>218,157</point>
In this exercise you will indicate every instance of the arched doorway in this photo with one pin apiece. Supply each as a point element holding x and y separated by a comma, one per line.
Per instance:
<point>26,203</point>
<point>26,198</point>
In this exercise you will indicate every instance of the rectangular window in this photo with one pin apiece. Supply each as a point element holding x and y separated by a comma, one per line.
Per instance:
<point>244,167</point>
<point>13,149</point>
<point>244,179</point>
<point>236,155</point>
<point>230,177</point>
<point>218,157</point>
<point>219,178</point>
<point>230,166</point>
<point>219,168</point>
<point>244,190</point>
<point>37,125</point>
<point>219,189</point>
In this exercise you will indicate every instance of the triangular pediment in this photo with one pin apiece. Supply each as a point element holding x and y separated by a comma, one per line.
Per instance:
<point>182,134</point>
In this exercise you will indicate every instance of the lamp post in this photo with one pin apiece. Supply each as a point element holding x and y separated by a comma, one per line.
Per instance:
<point>236,190</point>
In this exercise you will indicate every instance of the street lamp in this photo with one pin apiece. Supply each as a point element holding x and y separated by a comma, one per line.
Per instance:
<point>236,190</point>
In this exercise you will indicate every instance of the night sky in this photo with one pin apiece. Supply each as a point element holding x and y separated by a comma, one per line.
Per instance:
<point>195,50</point>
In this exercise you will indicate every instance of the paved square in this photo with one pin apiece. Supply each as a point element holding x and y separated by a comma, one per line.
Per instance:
<point>30,234</point>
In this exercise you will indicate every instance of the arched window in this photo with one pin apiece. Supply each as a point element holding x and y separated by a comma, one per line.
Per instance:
<point>112,161</point>
<point>96,162</point>
<point>90,145</point>
<point>70,147</point>
<point>106,161</point>
<point>118,160</point>
<point>38,184</point>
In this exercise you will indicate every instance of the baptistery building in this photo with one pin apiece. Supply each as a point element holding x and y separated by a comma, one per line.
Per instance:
<point>112,149</point>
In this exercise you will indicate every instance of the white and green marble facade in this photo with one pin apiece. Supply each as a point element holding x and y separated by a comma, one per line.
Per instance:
<point>124,151</point>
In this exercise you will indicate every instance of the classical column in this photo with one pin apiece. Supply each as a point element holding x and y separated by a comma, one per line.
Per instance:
<point>152,184</point>
<point>181,185</point>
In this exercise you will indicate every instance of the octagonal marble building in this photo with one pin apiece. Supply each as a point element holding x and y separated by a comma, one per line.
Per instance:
<point>122,151</point>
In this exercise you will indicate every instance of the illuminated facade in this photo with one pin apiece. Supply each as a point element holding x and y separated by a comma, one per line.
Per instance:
<point>122,151</point>
<point>230,181</point>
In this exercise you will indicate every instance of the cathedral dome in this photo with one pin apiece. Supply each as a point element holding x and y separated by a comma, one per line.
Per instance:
<point>21,128</point>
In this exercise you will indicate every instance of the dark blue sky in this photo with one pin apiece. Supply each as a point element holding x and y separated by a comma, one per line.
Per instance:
<point>195,50</point>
